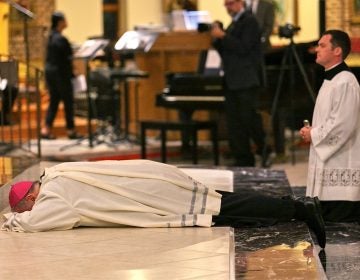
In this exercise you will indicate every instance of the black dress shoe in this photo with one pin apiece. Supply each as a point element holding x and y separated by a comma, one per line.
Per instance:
<point>314,219</point>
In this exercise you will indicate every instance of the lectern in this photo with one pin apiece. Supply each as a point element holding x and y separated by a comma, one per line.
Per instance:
<point>87,52</point>
<point>129,43</point>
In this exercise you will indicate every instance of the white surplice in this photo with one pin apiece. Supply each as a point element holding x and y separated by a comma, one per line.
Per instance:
<point>334,162</point>
<point>138,193</point>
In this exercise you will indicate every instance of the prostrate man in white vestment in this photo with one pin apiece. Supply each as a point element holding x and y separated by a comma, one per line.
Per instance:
<point>334,162</point>
<point>142,193</point>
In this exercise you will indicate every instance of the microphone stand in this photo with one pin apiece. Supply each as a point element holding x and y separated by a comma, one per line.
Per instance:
<point>26,15</point>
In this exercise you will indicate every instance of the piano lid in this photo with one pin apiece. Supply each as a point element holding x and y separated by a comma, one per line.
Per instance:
<point>194,84</point>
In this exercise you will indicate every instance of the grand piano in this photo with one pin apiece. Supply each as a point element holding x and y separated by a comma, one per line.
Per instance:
<point>191,91</point>
<point>200,90</point>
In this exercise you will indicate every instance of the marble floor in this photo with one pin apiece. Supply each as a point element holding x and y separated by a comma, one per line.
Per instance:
<point>282,251</point>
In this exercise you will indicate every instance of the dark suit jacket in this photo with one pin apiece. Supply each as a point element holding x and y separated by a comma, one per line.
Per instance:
<point>241,55</point>
<point>265,15</point>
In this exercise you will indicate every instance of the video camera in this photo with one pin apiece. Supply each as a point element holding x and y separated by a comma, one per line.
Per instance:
<point>288,30</point>
<point>205,27</point>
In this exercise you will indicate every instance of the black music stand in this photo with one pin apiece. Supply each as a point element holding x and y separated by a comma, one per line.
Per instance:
<point>87,52</point>
<point>136,41</point>
<point>131,42</point>
<point>26,15</point>
<point>123,76</point>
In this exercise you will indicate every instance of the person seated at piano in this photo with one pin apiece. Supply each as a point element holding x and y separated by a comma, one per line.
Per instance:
<point>240,49</point>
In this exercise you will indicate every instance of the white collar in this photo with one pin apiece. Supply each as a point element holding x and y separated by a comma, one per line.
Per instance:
<point>333,66</point>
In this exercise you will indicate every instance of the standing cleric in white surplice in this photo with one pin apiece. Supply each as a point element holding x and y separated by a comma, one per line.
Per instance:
<point>334,163</point>
<point>334,137</point>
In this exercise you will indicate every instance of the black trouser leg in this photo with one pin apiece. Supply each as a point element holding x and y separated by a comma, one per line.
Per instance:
<point>257,131</point>
<point>258,134</point>
<point>239,113</point>
<point>52,109</point>
<point>68,98</point>
<point>279,124</point>
<point>60,89</point>
<point>239,209</point>
<point>185,116</point>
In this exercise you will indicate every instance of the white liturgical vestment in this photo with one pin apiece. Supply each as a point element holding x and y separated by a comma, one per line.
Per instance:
<point>334,162</point>
<point>137,193</point>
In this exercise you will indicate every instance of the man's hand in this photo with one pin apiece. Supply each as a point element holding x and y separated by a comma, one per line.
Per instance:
<point>217,32</point>
<point>305,134</point>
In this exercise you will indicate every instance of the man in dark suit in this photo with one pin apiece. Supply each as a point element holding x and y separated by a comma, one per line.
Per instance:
<point>240,49</point>
<point>264,11</point>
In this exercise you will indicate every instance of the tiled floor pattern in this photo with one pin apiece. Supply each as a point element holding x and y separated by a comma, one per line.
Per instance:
<point>115,253</point>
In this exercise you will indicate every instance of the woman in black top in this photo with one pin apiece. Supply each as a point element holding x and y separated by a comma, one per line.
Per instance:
<point>58,75</point>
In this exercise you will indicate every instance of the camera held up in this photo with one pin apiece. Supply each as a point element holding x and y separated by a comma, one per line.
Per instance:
<point>206,27</point>
<point>288,30</point>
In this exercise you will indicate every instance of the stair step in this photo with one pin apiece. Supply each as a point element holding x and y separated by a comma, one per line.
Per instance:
<point>27,111</point>
<point>15,131</point>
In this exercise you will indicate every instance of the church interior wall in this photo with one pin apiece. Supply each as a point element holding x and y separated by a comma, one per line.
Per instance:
<point>84,18</point>
<point>88,22</point>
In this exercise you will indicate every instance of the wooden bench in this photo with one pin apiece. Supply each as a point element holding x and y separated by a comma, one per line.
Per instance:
<point>191,127</point>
